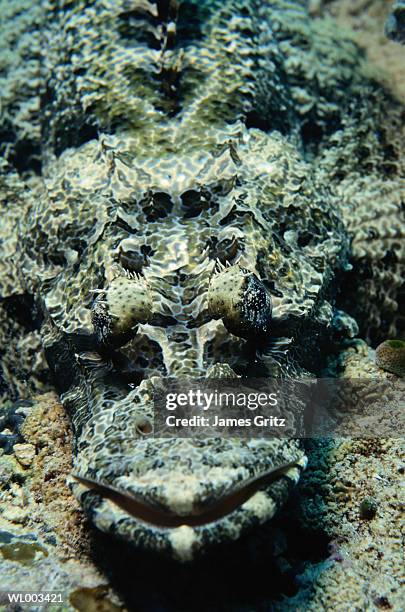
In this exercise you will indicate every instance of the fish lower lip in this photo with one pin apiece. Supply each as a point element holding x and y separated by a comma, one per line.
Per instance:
<point>200,516</point>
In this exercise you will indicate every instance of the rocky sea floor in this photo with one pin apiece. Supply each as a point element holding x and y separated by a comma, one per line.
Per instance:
<point>336,544</point>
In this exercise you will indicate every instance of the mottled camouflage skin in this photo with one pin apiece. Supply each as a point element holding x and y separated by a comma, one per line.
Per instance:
<point>216,177</point>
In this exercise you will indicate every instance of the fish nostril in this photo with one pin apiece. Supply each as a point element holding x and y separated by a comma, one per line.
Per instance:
<point>144,427</point>
<point>225,250</point>
<point>194,203</point>
<point>132,257</point>
<point>132,261</point>
<point>156,205</point>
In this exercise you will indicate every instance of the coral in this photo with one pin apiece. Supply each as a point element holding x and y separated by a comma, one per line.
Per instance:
<point>364,21</point>
<point>349,482</point>
<point>43,540</point>
<point>365,568</point>
<point>11,419</point>
<point>368,508</point>
<point>24,453</point>
<point>395,25</point>
<point>390,356</point>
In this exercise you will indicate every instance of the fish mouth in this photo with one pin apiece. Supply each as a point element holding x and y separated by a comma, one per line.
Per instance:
<point>200,515</point>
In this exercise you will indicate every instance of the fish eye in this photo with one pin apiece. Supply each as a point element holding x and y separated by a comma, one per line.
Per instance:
<point>238,297</point>
<point>119,308</point>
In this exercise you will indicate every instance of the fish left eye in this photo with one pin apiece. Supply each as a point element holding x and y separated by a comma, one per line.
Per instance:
<point>238,297</point>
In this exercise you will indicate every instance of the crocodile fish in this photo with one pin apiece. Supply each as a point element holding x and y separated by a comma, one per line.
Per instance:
<point>214,178</point>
